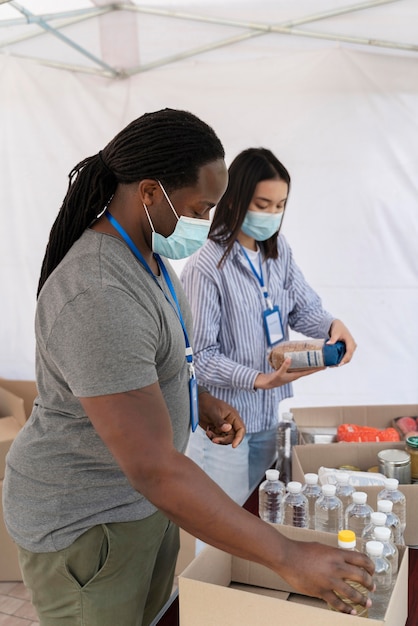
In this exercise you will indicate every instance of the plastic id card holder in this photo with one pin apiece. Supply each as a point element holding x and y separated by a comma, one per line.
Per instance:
<point>273,326</point>
<point>194,403</point>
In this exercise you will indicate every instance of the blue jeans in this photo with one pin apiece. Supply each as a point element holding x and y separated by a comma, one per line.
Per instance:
<point>236,470</point>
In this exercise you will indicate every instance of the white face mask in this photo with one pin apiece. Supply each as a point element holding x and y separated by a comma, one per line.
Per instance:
<point>188,236</point>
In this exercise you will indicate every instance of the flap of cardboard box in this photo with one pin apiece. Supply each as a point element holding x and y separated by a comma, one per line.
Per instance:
<point>11,405</point>
<point>378,416</point>
<point>9,428</point>
<point>25,389</point>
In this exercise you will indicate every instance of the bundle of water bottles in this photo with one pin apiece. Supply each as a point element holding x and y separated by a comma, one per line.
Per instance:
<point>339,508</point>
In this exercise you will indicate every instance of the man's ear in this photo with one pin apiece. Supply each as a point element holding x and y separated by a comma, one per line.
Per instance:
<point>149,191</point>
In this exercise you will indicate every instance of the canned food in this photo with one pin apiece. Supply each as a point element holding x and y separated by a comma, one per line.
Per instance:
<point>412,449</point>
<point>395,464</point>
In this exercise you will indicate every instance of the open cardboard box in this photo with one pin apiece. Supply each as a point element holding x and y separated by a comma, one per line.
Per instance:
<point>330,417</point>
<point>310,457</point>
<point>24,389</point>
<point>220,589</point>
<point>16,400</point>
<point>9,564</point>
<point>12,418</point>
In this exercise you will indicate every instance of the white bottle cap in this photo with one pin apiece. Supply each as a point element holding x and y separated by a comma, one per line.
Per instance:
<point>329,490</point>
<point>311,478</point>
<point>385,506</point>
<point>342,478</point>
<point>359,497</point>
<point>287,416</point>
<point>374,548</point>
<point>382,533</point>
<point>391,483</point>
<point>272,474</point>
<point>294,486</point>
<point>378,518</point>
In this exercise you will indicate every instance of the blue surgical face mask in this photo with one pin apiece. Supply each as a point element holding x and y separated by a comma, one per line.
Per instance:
<point>261,226</point>
<point>188,236</point>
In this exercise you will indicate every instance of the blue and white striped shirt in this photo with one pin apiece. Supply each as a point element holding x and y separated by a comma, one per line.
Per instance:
<point>230,346</point>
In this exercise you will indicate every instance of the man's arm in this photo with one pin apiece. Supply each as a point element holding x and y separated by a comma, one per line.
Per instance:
<point>136,428</point>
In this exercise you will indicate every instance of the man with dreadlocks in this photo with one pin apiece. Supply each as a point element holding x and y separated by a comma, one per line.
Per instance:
<point>96,482</point>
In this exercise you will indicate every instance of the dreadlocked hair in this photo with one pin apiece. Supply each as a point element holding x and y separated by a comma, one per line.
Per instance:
<point>168,145</point>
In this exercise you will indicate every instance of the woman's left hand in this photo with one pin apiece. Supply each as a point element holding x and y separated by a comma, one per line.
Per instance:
<point>220,420</point>
<point>339,332</point>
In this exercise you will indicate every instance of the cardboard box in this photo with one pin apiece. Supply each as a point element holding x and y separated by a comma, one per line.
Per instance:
<point>310,457</point>
<point>187,551</point>
<point>24,389</point>
<point>217,588</point>
<point>9,564</point>
<point>378,416</point>
<point>12,417</point>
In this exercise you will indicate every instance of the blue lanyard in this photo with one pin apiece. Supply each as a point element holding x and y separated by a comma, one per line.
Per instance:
<point>259,277</point>
<point>122,232</point>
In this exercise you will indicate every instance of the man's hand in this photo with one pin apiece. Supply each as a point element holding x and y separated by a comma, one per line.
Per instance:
<point>321,571</point>
<point>220,420</point>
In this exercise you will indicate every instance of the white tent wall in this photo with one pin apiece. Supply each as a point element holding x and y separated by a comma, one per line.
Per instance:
<point>343,121</point>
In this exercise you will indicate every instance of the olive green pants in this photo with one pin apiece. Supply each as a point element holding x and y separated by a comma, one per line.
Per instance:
<point>113,575</point>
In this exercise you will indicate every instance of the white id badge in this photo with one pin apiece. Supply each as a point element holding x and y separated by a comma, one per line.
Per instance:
<point>273,326</point>
<point>194,403</point>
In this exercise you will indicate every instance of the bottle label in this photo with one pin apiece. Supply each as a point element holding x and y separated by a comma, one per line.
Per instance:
<point>305,359</point>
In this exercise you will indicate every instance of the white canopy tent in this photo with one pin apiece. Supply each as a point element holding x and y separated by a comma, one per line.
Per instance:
<point>331,88</point>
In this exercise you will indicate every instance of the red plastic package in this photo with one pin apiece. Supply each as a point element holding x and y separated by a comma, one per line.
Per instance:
<point>356,433</point>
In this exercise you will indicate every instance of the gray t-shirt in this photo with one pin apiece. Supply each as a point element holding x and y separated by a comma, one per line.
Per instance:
<point>103,326</point>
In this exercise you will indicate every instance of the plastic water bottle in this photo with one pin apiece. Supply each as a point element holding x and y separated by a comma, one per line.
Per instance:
<point>328,511</point>
<point>357,514</point>
<point>376,519</point>
<point>287,437</point>
<point>295,506</point>
<point>312,491</point>
<point>382,578</point>
<point>270,497</point>
<point>390,551</point>
<point>391,492</point>
<point>347,541</point>
<point>344,489</point>
<point>392,521</point>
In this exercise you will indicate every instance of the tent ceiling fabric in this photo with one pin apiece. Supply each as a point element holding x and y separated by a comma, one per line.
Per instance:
<point>133,37</point>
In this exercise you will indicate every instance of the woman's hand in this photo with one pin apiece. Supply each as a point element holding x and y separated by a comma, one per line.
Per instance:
<point>339,332</point>
<point>220,420</point>
<point>282,376</point>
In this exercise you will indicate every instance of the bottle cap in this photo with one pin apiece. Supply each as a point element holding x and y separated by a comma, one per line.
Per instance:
<point>342,478</point>
<point>347,539</point>
<point>378,518</point>
<point>391,483</point>
<point>311,478</point>
<point>287,416</point>
<point>385,506</point>
<point>329,490</point>
<point>294,486</point>
<point>374,548</point>
<point>359,497</point>
<point>272,474</point>
<point>382,533</point>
